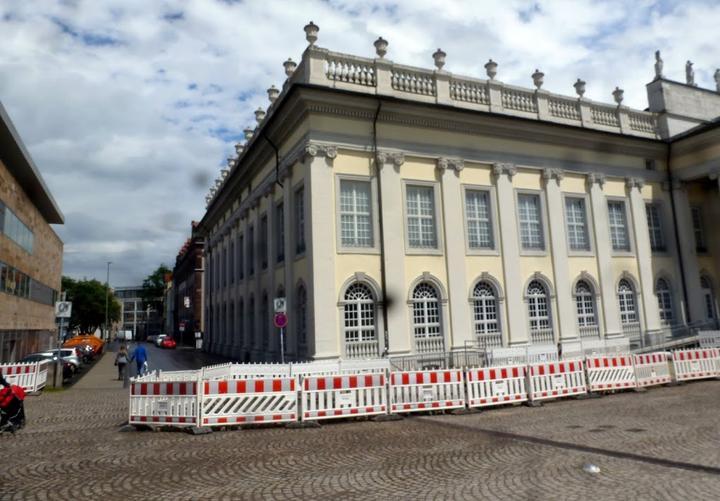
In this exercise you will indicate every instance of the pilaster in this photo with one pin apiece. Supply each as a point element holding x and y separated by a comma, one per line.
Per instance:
<point>603,250</point>
<point>517,329</point>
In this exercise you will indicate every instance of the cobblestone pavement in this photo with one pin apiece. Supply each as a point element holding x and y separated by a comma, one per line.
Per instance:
<point>662,444</point>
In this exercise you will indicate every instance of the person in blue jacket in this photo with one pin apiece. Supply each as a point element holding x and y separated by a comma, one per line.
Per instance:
<point>140,356</point>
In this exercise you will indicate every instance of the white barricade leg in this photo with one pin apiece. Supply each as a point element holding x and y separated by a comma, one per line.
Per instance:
<point>327,397</point>
<point>496,386</point>
<point>419,391</point>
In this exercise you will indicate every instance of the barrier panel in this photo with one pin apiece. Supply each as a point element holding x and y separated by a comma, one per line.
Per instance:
<point>496,385</point>
<point>696,364</point>
<point>243,401</point>
<point>418,391</point>
<point>542,353</point>
<point>571,350</point>
<point>594,346</point>
<point>251,371</point>
<point>556,379</point>
<point>164,402</point>
<point>498,357</point>
<point>327,397</point>
<point>617,345</point>
<point>26,375</point>
<point>217,371</point>
<point>606,372</point>
<point>709,339</point>
<point>652,369</point>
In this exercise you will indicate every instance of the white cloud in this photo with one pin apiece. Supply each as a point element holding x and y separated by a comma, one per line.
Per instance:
<point>126,104</point>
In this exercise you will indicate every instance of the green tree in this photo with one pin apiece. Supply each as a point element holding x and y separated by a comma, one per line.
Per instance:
<point>153,290</point>
<point>88,299</point>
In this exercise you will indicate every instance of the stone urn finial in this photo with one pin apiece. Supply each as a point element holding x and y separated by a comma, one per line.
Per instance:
<point>716,76</point>
<point>579,87</point>
<point>658,65</point>
<point>690,74</point>
<point>289,66</point>
<point>538,78</point>
<point>259,115</point>
<point>439,57</point>
<point>491,69</point>
<point>248,133</point>
<point>230,162</point>
<point>239,148</point>
<point>273,93</point>
<point>618,95</point>
<point>381,46</point>
<point>311,32</point>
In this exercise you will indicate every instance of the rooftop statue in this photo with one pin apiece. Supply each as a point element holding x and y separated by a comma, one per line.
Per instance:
<point>716,76</point>
<point>658,65</point>
<point>689,74</point>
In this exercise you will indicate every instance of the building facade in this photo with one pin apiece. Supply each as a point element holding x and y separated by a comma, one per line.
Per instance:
<point>135,316</point>
<point>30,251</point>
<point>412,211</point>
<point>188,290</point>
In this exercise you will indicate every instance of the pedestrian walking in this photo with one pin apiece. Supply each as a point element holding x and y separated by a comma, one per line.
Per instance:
<point>121,360</point>
<point>140,357</point>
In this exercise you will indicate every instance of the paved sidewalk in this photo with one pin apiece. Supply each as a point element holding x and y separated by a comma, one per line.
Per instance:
<point>662,444</point>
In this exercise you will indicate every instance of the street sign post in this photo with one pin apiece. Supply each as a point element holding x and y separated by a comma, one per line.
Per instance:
<point>281,320</point>
<point>63,310</point>
<point>280,305</point>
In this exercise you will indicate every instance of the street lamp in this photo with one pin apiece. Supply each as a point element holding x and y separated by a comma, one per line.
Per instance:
<point>106,335</point>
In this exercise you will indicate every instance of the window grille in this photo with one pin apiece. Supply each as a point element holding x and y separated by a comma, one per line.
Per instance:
<point>485,315</point>
<point>421,217</point>
<point>531,230</point>
<point>665,303</point>
<point>657,238</point>
<point>479,224</point>
<point>618,226</point>
<point>355,214</point>
<point>577,224</point>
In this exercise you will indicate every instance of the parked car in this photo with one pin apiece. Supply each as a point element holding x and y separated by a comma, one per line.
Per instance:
<point>68,368</point>
<point>168,342</point>
<point>152,338</point>
<point>70,355</point>
<point>159,339</point>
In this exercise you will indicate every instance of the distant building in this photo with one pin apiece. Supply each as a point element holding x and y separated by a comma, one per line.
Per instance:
<point>140,319</point>
<point>188,290</point>
<point>30,251</point>
<point>408,211</point>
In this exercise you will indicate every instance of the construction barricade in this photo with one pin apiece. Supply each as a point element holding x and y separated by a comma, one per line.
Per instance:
<point>696,364</point>
<point>556,379</point>
<point>496,386</point>
<point>652,369</point>
<point>246,401</point>
<point>327,397</point>
<point>31,376</point>
<point>610,372</point>
<point>709,339</point>
<point>419,391</point>
<point>172,403</point>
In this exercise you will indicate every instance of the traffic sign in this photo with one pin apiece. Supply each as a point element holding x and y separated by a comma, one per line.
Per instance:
<point>280,320</point>
<point>280,305</point>
<point>63,309</point>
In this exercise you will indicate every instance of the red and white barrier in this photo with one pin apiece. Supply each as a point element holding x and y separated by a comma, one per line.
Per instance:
<point>164,402</point>
<point>31,376</point>
<point>327,397</point>
<point>696,364</point>
<point>556,379</point>
<point>243,401</point>
<point>496,386</point>
<point>610,372</point>
<point>418,391</point>
<point>652,369</point>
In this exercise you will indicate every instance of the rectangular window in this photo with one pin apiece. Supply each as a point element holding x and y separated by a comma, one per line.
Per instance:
<point>263,241</point>
<point>280,233</point>
<point>240,262</point>
<point>420,205</point>
<point>231,258</point>
<point>17,283</point>
<point>478,217</point>
<point>577,229</point>
<point>618,225</point>
<point>224,266</point>
<point>531,229</point>
<point>15,229</point>
<point>355,214</point>
<point>698,229</point>
<point>251,251</point>
<point>300,221</point>
<point>657,239</point>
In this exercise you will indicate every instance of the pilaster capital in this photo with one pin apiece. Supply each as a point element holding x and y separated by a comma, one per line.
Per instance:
<point>396,157</point>
<point>444,163</point>
<point>595,177</point>
<point>556,174</point>
<point>504,168</point>
<point>328,151</point>
<point>634,182</point>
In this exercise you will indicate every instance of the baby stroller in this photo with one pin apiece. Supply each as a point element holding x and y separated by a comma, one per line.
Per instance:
<point>12,410</point>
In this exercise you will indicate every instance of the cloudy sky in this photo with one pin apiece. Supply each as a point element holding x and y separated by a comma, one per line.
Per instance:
<point>130,107</point>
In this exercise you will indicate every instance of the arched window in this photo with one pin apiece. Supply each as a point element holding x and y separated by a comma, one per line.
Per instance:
<point>708,297</point>
<point>485,315</point>
<point>626,300</point>
<point>252,327</point>
<point>359,322</point>
<point>301,318</point>
<point>585,305</point>
<point>665,302</point>
<point>539,313</point>
<point>426,319</point>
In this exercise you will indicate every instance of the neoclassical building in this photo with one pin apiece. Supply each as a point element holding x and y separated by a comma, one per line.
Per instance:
<point>404,210</point>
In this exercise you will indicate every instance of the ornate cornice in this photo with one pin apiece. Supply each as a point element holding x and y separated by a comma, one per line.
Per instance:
<point>444,163</point>
<point>595,177</point>
<point>504,168</point>
<point>396,157</point>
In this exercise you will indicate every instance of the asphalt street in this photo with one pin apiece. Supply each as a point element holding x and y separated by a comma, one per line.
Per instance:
<point>180,358</point>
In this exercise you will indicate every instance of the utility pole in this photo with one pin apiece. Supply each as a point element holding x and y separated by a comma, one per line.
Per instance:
<point>106,335</point>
